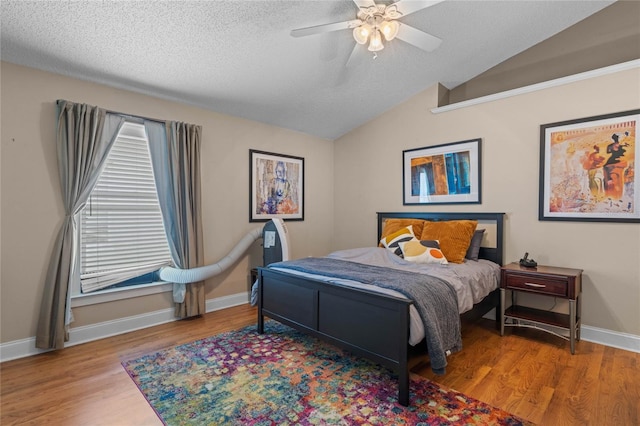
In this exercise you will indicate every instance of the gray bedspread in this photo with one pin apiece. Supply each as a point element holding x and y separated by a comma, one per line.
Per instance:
<point>434,298</point>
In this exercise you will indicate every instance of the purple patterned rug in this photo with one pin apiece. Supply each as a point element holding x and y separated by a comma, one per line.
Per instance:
<point>284,377</point>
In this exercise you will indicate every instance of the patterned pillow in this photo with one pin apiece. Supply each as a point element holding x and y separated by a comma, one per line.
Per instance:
<point>425,251</point>
<point>454,236</point>
<point>393,240</point>
<point>394,224</point>
<point>474,247</point>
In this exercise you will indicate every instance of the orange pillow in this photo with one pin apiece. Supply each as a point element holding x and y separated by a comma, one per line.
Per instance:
<point>394,225</point>
<point>454,236</point>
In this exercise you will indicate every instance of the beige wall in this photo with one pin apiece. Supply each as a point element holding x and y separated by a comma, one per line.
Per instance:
<point>368,178</point>
<point>31,210</point>
<point>346,183</point>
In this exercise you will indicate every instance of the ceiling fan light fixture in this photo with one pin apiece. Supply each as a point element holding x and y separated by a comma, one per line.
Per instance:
<point>375,44</point>
<point>361,34</point>
<point>374,21</point>
<point>389,29</point>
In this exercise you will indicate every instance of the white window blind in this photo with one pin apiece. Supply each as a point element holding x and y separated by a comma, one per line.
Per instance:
<point>121,230</point>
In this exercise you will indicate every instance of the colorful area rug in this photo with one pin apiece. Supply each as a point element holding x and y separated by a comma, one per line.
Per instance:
<point>284,377</point>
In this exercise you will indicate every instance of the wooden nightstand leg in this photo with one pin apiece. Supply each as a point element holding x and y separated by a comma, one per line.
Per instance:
<point>572,325</point>
<point>501,310</point>
<point>579,316</point>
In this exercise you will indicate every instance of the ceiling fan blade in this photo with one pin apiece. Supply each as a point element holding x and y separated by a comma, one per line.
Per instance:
<point>318,29</point>
<point>364,4</point>
<point>405,7</point>
<point>418,38</point>
<point>356,56</point>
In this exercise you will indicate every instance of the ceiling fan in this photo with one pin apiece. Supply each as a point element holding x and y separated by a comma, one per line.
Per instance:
<point>375,22</point>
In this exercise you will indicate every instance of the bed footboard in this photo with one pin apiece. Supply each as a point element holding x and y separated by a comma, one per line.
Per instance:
<point>368,324</point>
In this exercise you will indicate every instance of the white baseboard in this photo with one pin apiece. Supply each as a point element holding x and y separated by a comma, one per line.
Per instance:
<point>615,339</point>
<point>27,347</point>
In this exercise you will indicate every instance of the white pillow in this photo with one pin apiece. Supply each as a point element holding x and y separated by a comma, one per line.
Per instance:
<point>425,251</point>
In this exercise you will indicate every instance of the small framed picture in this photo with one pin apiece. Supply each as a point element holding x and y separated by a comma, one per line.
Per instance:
<point>587,169</point>
<point>276,186</point>
<point>442,174</point>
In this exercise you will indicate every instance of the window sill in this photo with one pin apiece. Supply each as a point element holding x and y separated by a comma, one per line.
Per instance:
<point>120,294</point>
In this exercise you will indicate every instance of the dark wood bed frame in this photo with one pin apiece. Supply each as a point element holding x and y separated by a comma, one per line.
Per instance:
<point>368,324</point>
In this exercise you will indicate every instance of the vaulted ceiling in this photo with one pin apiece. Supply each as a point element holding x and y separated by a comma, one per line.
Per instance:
<point>238,57</point>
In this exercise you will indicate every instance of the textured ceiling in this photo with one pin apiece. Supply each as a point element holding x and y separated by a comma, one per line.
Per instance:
<point>238,58</point>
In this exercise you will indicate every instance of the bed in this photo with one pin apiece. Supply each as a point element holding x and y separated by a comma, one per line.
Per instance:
<point>367,322</point>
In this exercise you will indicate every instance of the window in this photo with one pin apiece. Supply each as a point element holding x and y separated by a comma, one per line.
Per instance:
<point>122,238</point>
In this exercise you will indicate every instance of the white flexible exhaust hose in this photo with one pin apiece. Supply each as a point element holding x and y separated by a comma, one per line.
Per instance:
<point>185,276</point>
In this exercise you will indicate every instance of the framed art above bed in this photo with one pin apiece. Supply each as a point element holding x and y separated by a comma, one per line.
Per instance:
<point>442,174</point>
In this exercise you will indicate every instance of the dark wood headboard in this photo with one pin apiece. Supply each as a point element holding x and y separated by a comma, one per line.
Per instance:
<point>495,254</point>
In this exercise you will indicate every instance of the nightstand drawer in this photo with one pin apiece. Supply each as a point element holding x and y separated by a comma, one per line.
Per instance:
<point>543,285</point>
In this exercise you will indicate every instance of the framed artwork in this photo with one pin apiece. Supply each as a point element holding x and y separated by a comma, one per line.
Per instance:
<point>587,169</point>
<point>276,184</point>
<point>442,174</point>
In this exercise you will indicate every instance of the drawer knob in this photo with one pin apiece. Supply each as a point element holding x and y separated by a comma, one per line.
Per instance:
<point>535,285</point>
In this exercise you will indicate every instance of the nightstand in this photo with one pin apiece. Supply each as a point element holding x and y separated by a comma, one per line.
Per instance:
<point>550,281</point>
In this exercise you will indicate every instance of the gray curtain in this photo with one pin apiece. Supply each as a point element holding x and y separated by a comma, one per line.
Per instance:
<point>84,137</point>
<point>175,157</point>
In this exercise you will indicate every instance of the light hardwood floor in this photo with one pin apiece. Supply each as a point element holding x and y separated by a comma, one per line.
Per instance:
<point>526,372</point>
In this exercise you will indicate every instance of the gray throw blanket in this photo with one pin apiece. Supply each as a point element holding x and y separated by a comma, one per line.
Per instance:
<point>435,299</point>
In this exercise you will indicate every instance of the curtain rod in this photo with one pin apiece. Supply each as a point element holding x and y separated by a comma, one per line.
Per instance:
<point>125,115</point>
<point>136,117</point>
<point>140,119</point>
